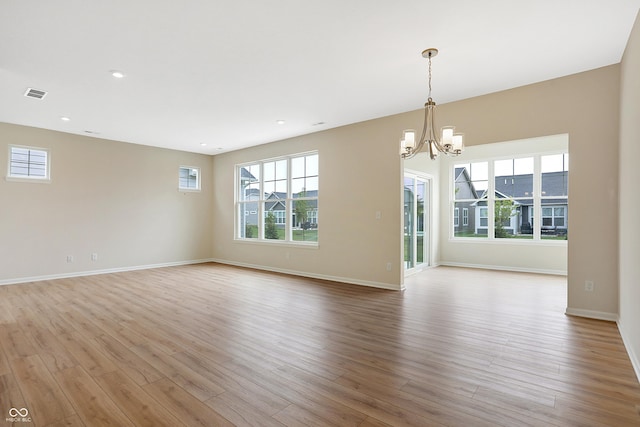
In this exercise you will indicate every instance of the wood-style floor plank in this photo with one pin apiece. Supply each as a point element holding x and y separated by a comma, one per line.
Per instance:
<point>93,405</point>
<point>193,383</point>
<point>141,408</point>
<point>10,394</point>
<point>183,405</point>
<point>44,399</point>
<point>214,345</point>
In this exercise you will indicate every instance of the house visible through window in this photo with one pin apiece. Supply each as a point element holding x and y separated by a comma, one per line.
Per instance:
<point>278,199</point>
<point>28,163</point>
<point>189,178</point>
<point>500,198</point>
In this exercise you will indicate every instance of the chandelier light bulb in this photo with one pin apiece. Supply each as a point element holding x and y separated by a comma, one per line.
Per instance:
<point>447,136</point>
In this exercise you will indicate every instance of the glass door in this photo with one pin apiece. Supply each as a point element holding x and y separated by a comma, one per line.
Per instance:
<point>416,243</point>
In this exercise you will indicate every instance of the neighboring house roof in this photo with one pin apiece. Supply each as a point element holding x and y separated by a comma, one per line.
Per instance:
<point>276,200</point>
<point>245,175</point>
<point>499,195</point>
<point>282,195</point>
<point>519,186</point>
<point>553,184</point>
<point>462,177</point>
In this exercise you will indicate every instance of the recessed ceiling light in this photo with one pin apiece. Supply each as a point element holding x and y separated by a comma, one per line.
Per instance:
<point>65,118</point>
<point>280,122</point>
<point>117,74</point>
<point>204,144</point>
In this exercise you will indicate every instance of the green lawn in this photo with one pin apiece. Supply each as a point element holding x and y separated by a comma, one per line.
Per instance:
<point>517,236</point>
<point>304,235</point>
<point>420,245</point>
<point>298,235</point>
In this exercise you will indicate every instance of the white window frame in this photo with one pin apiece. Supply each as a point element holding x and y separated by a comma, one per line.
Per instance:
<point>29,178</point>
<point>289,201</point>
<point>189,169</point>
<point>537,199</point>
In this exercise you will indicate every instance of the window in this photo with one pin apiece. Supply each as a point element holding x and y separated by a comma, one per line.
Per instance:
<point>484,216</point>
<point>456,216</point>
<point>554,195</point>
<point>470,184</point>
<point>500,198</point>
<point>189,178</point>
<point>277,199</point>
<point>28,163</point>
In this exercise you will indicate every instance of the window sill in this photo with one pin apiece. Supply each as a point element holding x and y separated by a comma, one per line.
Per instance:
<point>265,242</point>
<point>32,180</point>
<point>518,242</point>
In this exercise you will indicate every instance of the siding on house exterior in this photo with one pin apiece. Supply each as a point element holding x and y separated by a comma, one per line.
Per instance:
<point>518,188</point>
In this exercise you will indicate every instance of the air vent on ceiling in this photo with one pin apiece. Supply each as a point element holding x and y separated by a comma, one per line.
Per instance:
<point>35,93</point>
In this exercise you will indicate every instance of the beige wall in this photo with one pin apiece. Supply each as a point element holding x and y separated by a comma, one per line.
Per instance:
<point>360,174</point>
<point>629,198</point>
<point>586,107</point>
<point>117,200</point>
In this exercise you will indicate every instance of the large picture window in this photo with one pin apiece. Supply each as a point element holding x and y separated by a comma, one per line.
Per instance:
<point>523,197</point>
<point>277,199</point>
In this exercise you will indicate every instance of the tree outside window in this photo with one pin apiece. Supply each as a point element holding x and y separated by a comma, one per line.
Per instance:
<point>278,199</point>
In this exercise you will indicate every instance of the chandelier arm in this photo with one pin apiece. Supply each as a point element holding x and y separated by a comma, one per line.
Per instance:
<point>433,140</point>
<point>424,133</point>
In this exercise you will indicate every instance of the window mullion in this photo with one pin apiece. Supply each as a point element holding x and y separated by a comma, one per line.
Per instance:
<point>288,223</point>
<point>537,200</point>
<point>261,202</point>
<point>491,203</point>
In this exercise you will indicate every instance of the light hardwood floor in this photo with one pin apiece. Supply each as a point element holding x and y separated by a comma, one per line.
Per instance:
<point>215,345</point>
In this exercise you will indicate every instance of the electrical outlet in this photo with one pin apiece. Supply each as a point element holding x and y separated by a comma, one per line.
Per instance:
<point>388,266</point>
<point>94,256</point>
<point>589,285</point>
<point>69,258</point>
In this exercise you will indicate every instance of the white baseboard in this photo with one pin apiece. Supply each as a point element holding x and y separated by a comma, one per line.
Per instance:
<point>96,272</point>
<point>504,268</point>
<point>633,356</point>
<point>592,314</point>
<point>313,275</point>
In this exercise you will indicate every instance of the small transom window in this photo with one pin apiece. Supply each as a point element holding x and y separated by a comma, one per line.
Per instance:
<point>189,178</point>
<point>28,163</point>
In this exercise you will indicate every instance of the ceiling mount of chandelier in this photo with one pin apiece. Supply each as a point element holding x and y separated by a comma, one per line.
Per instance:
<point>447,141</point>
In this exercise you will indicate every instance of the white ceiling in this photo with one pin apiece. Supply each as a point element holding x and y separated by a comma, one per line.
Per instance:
<point>222,72</point>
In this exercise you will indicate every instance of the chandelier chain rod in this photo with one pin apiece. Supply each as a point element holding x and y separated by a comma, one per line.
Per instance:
<point>429,76</point>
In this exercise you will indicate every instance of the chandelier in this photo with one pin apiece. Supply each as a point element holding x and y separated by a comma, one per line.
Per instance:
<point>448,142</point>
